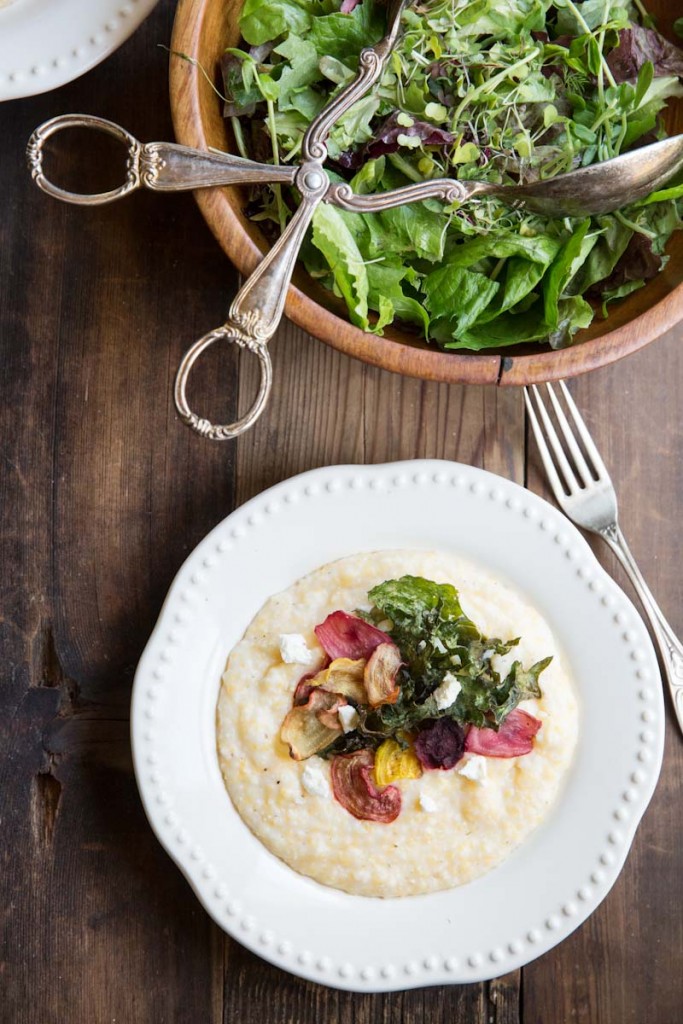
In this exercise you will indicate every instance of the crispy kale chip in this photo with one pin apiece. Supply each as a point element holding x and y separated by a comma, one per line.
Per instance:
<point>437,639</point>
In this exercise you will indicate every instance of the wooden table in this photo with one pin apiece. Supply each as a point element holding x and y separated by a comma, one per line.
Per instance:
<point>104,493</point>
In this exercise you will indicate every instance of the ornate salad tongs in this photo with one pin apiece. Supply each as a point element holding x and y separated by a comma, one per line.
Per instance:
<point>259,305</point>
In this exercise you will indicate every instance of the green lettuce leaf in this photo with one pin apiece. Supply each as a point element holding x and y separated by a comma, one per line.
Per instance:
<point>507,329</point>
<point>386,282</point>
<point>518,281</point>
<point>604,256</point>
<point>565,265</point>
<point>519,106</point>
<point>502,19</point>
<point>458,296</point>
<point>407,229</point>
<point>620,293</point>
<point>335,240</point>
<point>263,20</point>
<point>301,72</point>
<point>539,249</point>
<point>574,18</point>
<point>343,36</point>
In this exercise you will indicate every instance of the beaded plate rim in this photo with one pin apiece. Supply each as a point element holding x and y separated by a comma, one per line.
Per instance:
<point>91,32</point>
<point>166,808</point>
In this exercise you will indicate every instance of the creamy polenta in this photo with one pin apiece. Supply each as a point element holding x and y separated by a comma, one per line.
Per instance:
<point>454,825</point>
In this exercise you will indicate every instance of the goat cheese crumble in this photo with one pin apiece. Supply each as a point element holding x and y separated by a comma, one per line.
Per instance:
<point>447,691</point>
<point>474,768</point>
<point>294,650</point>
<point>313,780</point>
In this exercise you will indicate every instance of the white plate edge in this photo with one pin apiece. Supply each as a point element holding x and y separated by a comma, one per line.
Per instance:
<point>488,969</point>
<point>105,37</point>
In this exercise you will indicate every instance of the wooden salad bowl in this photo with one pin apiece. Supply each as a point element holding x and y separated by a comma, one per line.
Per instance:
<point>202,30</point>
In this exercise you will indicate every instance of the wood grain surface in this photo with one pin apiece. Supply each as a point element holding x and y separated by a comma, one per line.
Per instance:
<point>104,493</point>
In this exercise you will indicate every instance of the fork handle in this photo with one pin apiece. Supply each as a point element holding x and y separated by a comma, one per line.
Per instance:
<point>670,647</point>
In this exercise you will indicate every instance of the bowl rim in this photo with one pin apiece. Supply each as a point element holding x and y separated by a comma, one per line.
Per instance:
<point>388,352</point>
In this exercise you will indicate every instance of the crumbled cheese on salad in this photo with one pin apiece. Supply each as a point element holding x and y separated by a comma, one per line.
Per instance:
<point>447,691</point>
<point>348,717</point>
<point>294,649</point>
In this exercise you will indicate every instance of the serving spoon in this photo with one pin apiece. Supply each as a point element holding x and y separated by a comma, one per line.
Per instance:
<point>588,191</point>
<point>259,305</point>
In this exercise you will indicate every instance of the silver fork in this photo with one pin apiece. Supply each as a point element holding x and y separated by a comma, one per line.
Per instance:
<point>589,500</point>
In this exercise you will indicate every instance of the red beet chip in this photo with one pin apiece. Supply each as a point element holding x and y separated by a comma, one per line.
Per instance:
<point>440,744</point>
<point>514,738</point>
<point>346,636</point>
<point>354,787</point>
<point>302,693</point>
<point>304,689</point>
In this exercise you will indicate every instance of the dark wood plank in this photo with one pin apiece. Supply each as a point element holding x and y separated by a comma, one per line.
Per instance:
<point>104,493</point>
<point>623,965</point>
<point>328,409</point>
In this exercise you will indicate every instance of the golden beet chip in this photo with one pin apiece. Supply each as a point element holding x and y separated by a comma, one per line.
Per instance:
<point>311,727</point>
<point>380,675</point>
<point>394,762</point>
<point>344,676</point>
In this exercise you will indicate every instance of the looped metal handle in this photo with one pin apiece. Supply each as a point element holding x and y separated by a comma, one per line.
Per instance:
<point>34,153</point>
<point>223,432</point>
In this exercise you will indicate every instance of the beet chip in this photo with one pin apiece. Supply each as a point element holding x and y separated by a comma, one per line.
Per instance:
<point>440,744</point>
<point>514,738</point>
<point>346,636</point>
<point>355,789</point>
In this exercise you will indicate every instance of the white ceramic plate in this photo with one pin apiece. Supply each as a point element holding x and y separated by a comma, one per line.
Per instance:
<point>46,43</point>
<point>547,887</point>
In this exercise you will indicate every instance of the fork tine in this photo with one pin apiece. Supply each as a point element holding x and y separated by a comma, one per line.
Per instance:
<point>561,461</point>
<point>546,457</point>
<point>570,440</point>
<point>588,442</point>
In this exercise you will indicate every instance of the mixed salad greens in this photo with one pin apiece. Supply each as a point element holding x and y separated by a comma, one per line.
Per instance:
<point>410,686</point>
<point>506,91</point>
